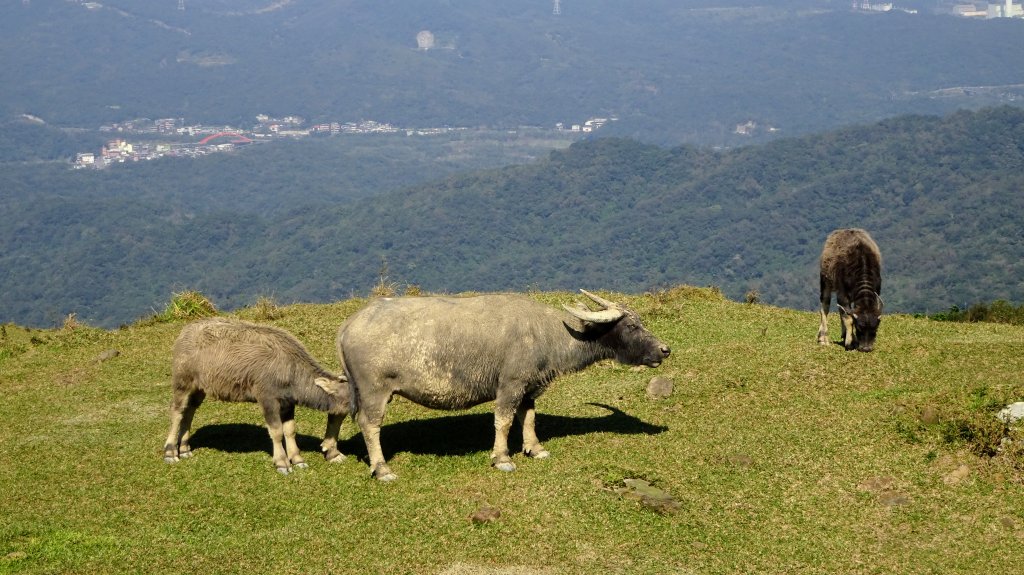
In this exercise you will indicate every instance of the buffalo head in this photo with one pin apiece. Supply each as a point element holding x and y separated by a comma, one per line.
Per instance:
<point>620,328</point>
<point>865,325</point>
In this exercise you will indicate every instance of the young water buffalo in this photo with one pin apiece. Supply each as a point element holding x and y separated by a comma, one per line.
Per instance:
<point>233,360</point>
<point>457,352</point>
<point>851,266</point>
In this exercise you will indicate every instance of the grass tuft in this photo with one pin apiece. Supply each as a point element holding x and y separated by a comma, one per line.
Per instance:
<point>71,322</point>
<point>186,305</point>
<point>266,309</point>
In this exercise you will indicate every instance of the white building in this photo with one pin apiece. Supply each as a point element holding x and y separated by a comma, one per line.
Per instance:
<point>1006,10</point>
<point>85,159</point>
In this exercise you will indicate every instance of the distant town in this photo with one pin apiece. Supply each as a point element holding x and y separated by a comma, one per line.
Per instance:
<point>146,139</point>
<point>1005,9</point>
<point>986,10</point>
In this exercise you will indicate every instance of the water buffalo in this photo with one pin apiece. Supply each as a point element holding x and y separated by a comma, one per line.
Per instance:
<point>851,266</point>
<point>233,360</point>
<point>457,352</point>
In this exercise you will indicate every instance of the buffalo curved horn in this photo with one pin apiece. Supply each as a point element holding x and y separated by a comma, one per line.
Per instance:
<point>599,300</point>
<point>610,313</point>
<point>881,303</point>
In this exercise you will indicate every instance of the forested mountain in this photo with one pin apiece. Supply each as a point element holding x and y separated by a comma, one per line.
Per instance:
<point>941,195</point>
<point>671,71</point>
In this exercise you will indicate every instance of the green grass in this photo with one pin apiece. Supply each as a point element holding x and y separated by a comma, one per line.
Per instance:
<point>784,456</point>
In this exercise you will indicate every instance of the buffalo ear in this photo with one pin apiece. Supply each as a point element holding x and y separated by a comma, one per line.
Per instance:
<point>330,386</point>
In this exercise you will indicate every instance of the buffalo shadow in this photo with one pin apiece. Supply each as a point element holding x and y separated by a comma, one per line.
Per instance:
<point>468,433</point>
<point>449,435</point>
<point>244,438</point>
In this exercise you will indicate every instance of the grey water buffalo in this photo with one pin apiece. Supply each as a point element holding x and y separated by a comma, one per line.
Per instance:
<point>233,360</point>
<point>457,352</point>
<point>851,266</point>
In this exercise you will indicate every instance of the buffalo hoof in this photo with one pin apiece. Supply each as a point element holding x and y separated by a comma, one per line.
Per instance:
<point>185,454</point>
<point>506,466</point>
<point>541,454</point>
<point>284,470</point>
<point>383,473</point>
<point>300,465</point>
<point>338,457</point>
<point>170,459</point>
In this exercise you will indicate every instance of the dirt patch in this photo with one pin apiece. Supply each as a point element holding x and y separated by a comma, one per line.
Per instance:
<point>885,488</point>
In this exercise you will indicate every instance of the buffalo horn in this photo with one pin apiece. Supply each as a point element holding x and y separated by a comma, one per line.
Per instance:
<point>603,316</point>
<point>599,300</point>
<point>610,313</point>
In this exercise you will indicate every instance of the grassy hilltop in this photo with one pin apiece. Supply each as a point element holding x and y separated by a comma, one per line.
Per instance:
<point>781,456</point>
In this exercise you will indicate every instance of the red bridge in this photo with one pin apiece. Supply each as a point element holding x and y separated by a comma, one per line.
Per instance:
<point>236,138</point>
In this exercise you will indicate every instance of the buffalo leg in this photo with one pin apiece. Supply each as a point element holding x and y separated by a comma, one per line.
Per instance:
<point>503,417</point>
<point>183,408</point>
<point>330,443</point>
<point>194,401</point>
<point>370,418</point>
<point>849,341</point>
<point>290,445</point>
<point>846,320</point>
<point>527,415</point>
<point>826,300</point>
<point>272,413</point>
<point>506,406</point>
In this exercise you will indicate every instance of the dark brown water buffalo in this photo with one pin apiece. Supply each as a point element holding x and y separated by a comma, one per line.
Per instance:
<point>233,360</point>
<point>457,352</point>
<point>851,266</point>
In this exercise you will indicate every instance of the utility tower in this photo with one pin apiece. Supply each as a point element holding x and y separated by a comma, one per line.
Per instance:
<point>557,9</point>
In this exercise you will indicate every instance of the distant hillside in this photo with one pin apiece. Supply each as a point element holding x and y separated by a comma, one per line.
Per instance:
<point>941,195</point>
<point>671,72</point>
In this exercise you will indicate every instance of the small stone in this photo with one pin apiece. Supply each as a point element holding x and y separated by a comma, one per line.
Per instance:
<point>660,387</point>
<point>486,514</point>
<point>107,355</point>
<point>653,498</point>
<point>661,505</point>
<point>1012,413</point>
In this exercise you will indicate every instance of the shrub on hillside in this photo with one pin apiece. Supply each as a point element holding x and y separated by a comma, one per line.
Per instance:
<point>999,311</point>
<point>266,308</point>
<point>187,305</point>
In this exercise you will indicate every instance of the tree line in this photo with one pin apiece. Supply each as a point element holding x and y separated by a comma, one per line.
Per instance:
<point>939,194</point>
